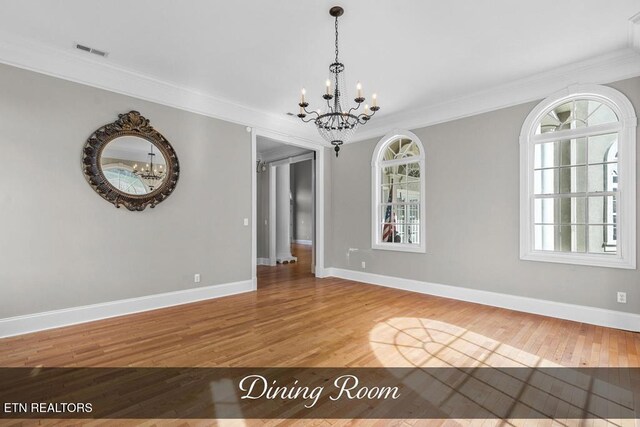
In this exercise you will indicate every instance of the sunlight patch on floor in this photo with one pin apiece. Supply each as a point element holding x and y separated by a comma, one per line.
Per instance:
<point>411,342</point>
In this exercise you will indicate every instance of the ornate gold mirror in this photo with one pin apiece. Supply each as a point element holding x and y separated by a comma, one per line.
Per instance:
<point>130,164</point>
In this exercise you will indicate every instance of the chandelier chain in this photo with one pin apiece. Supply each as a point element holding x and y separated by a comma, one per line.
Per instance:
<point>337,39</point>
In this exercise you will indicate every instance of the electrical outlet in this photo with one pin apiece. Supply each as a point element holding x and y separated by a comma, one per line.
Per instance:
<point>196,278</point>
<point>364,265</point>
<point>622,297</point>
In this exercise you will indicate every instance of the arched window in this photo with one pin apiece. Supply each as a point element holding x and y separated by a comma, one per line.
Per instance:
<point>397,176</point>
<point>577,179</point>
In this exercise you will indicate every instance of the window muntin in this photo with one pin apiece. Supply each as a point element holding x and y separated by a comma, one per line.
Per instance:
<point>401,148</point>
<point>573,185</point>
<point>400,203</point>
<point>572,209</point>
<point>125,180</point>
<point>398,217</point>
<point>575,114</point>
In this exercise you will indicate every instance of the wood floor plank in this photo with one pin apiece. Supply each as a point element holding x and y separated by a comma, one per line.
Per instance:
<point>295,319</point>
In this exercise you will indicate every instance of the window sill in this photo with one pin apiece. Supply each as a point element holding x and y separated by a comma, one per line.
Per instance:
<point>399,247</point>
<point>592,260</point>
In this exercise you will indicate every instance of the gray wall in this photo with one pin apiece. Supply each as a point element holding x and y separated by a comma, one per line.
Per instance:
<point>472,216</point>
<point>301,194</point>
<point>62,245</point>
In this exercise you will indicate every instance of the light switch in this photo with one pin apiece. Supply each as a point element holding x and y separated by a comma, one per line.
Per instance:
<point>246,221</point>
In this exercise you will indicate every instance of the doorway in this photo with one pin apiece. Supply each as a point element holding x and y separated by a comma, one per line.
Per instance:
<point>291,201</point>
<point>288,204</point>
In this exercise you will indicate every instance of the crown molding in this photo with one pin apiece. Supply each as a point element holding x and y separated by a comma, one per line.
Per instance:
<point>100,73</point>
<point>611,67</point>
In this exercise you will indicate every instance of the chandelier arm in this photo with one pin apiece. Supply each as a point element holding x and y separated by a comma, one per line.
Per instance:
<point>311,119</point>
<point>311,112</point>
<point>361,117</point>
<point>356,108</point>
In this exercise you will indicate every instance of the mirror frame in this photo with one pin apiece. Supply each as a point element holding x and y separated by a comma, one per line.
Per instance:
<point>129,124</point>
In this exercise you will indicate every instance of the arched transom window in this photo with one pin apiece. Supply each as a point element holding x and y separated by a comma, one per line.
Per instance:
<point>578,179</point>
<point>398,193</point>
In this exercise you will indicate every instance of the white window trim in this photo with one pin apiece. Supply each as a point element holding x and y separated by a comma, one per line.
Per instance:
<point>375,194</point>
<point>626,256</point>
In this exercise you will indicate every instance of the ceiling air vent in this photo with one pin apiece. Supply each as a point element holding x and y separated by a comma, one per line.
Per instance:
<point>92,50</point>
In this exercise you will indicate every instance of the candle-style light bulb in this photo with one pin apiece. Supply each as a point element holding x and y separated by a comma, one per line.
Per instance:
<point>135,166</point>
<point>328,87</point>
<point>366,109</point>
<point>302,94</point>
<point>359,88</point>
<point>374,97</point>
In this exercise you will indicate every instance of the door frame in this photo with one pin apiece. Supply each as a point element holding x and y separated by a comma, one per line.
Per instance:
<point>319,219</point>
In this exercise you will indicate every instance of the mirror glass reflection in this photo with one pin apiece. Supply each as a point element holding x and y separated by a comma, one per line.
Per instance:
<point>133,165</point>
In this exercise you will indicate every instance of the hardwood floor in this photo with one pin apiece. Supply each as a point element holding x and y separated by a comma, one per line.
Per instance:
<point>295,319</point>
<point>283,273</point>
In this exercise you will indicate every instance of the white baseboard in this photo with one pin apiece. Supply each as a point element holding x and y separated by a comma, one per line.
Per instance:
<point>263,261</point>
<point>304,242</point>
<point>577,313</point>
<point>321,273</point>
<point>71,316</point>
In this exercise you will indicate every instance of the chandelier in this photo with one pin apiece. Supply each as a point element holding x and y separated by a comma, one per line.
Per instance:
<point>150,172</point>
<point>337,123</point>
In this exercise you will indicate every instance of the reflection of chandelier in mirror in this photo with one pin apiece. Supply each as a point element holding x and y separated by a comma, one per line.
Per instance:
<point>149,171</point>
<point>338,122</point>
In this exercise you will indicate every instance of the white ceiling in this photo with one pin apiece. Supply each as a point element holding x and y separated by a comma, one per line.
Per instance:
<point>257,55</point>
